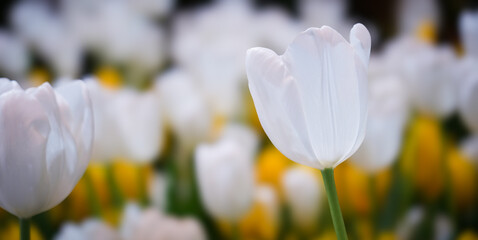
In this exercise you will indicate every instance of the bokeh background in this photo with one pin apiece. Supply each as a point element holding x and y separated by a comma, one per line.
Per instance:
<point>179,152</point>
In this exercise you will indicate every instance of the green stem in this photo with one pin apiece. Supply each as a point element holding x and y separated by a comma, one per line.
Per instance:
<point>236,234</point>
<point>337,219</point>
<point>24,228</point>
<point>115,191</point>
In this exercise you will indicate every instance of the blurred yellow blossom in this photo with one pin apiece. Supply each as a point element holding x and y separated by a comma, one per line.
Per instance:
<point>387,236</point>
<point>130,176</point>
<point>463,180</point>
<point>270,167</point>
<point>468,235</point>
<point>109,77</point>
<point>427,32</point>
<point>258,224</point>
<point>38,76</point>
<point>11,230</point>
<point>429,172</point>
<point>329,235</point>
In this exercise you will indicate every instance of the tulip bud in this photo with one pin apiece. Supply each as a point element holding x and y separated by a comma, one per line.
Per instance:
<point>45,144</point>
<point>90,229</point>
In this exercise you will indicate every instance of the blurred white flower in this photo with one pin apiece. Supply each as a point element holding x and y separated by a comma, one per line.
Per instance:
<point>388,112</point>
<point>46,144</point>
<point>275,29</point>
<point>468,99</point>
<point>128,124</point>
<point>153,8</point>
<point>184,107</point>
<point>158,190</point>
<point>468,26</point>
<point>412,13</point>
<point>303,193</point>
<point>325,12</point>
<point>117,32</point>
<point>312,101</point>
<point>469,147</point>
<point>14,59</point>
<point>225,175</point>
<point>408,224</point>
<point>266,196</point>
<point>432,77</point>
<point>41,28</point>
<point>150,224</point>
<point>90,229</point>
<point>443,227</point>
<point>214,51</point>
<point>139,123</point>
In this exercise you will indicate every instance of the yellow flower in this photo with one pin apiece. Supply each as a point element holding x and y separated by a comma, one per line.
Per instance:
<point>462,178</point>
<point>329,235</point>
<point>130,176</point>
<point>109,77</point>
<point>429,169</point>
<point>426,31</point>
<point>12,231</point>
<point>270,168</point>
<point>38,76</point>
<point>258,224</point>
<point>387,236</point>
<point>468,235</point>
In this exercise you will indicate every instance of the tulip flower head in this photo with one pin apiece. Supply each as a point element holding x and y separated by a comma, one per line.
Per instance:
<point>45,146</point>
<point>312,100</point>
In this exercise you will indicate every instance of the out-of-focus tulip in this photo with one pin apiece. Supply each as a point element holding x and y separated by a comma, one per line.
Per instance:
<point>185,109</point>
<point>410,222</point>
<point>468,235</point>
<point>387,116</point>
<point>153,8</point>
<point>312,101</point>
<point>14,59</point>
<point>468,25</point>
<point>411,14</point>
<point>128,123</point>
<point>443,227</point>
<point>262,221</point>
<point>462,178</point>
<point>214,51</point>
<point>90,229</point>
<point>218,167</point>
<point>325,12</point>
<point>431,75</point>
<point>468,99</point>
<point>139,124</point>
<point>150,224</point>
<point>304,194</point>
<point>46,144</point>
<point>41,28</point>
<point>469,147</point>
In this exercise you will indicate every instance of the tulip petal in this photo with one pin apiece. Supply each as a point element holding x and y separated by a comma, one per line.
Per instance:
<point>361,41</point>
<point>277,102</point>
<point>332,85</point>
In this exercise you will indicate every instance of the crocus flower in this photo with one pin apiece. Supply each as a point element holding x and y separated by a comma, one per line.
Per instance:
<point>46,142</point>
<point>312,101</point>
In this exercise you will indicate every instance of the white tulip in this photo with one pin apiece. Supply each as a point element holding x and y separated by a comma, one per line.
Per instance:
<point>14,58</point>
<point>303,193</point>
<point>225,176</point>
<point>266,196</point>
<point>214,51</point>
<point>91,229</point>
<point>107,141</point>
<point>150,224</point>
<point>185,109</point>
<point>312,101</point>
<point>139,124</point>
<point>470,148</point>
<point>468,99</point>
<point>408,224</point>
<point>413,13</point>
<point>468,25</point>
<point>387,117</point>
<point>432,75</point>
<point>46,144</point>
